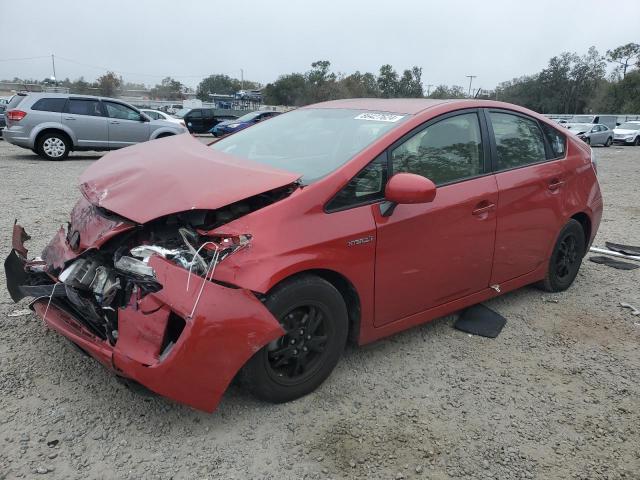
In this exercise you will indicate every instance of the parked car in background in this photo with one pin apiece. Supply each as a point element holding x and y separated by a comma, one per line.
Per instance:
<point>201,120</point>
<point>627,133</point>
<point>230,126</point>
<point>158,115</point>
<point>53,124</point>
<point>609,120</point>
<point>353,218</point>
<point>3,108</point>
<point>172,109</point>
<point>592,134</point>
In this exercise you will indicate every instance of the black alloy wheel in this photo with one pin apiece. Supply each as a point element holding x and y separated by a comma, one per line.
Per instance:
<point>313,315</point>
<point>566,258</point>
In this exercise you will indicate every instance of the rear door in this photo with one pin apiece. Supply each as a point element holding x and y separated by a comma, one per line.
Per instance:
<point>431,254</point>
<point>85,118</point>
<point>531,176</point>
<point>126,125</point>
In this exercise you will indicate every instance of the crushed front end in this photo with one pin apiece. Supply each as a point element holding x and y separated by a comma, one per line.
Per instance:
<point>143,301</point>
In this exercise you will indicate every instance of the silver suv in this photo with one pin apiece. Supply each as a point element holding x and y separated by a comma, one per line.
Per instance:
<point>53,124</point>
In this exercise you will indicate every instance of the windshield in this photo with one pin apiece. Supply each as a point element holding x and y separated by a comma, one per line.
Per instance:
<point>182,112</point>
<point>311,142</point>
<point>581,119</point>
<point>248,117</point>
<point>629,126</point>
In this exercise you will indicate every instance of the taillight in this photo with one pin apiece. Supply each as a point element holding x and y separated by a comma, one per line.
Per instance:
<point>16,115</point>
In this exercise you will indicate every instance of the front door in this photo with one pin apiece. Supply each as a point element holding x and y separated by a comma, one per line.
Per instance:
<point>85,118</point>
<point>126,126</point>
<point>434,253</point>
<point>532,180</point>
<point>194,120</point>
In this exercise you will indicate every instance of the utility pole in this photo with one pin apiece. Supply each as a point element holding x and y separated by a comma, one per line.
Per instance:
<point>53,64</point>
<point>241,79</point>
<point>429,89</point>
<point>470,77</point>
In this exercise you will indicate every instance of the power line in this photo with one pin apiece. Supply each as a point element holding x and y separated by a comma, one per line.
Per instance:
<point>121,72</point>
<point>19,59</point>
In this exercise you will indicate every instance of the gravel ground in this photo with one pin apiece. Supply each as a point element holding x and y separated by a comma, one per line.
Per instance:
<point>555,396</point>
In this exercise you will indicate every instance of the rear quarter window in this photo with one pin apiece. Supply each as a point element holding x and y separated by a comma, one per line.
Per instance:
<point>557,141</point>
<point>49,104</point>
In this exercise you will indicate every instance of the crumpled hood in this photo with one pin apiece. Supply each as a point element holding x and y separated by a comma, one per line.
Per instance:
<point>174,174</point>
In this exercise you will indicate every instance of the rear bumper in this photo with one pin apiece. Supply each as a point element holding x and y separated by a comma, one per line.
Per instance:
<point>190,359</point>
<point>16,137</point>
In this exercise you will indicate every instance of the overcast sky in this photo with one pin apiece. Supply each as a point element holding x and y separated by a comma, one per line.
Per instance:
<point>145,40</point>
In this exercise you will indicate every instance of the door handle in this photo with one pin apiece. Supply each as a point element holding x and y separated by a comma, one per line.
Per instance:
<point>555,185</point>
<point>485,208</point>
<point>69,118</point>
<point>113,122</point>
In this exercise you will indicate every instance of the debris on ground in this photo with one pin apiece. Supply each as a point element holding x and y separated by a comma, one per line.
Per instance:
<point>634,310</point>
<point>612,262</point>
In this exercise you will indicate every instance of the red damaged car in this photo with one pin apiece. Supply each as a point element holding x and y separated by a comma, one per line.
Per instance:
<point>184,265</point>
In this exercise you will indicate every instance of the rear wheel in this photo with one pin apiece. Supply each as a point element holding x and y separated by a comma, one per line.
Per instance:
<point>608,142</point>
<point>314,316</point>
<point>566,258</point>
<point>53,146</point>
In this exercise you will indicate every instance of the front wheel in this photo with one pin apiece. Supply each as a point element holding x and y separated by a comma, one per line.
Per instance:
<point>636,142</point>
<point>566,258</point>
<point>314,316</point>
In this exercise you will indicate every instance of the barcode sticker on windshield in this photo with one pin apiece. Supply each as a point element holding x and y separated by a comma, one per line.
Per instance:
<point>380,117</point>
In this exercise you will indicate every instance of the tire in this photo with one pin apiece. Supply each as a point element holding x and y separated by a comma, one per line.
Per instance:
<point>608,142</point>
<point>566,258</point>
<point>636,142</point>
<point>53,146</point>
<point>165,135</point>
<point>309,308</point>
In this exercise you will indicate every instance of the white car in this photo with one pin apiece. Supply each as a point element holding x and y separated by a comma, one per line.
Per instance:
<point>158,115</point>
<point>627,133</point>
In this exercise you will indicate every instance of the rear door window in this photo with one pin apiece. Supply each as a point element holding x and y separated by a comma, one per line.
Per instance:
<point>519,140</point>
<point>49,104</point>
<point>82,106</point>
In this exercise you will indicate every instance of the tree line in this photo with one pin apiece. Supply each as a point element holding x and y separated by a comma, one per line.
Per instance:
<point>570,83</point>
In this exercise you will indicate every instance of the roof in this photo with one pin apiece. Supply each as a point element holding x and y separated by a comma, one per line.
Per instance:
<point>407,106</point>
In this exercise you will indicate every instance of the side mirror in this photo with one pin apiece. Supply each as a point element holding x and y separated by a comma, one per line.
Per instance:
<point>144,118</point>
<point>407,188</point>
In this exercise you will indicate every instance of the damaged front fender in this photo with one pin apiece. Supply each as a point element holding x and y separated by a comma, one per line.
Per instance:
<point>227,328</point>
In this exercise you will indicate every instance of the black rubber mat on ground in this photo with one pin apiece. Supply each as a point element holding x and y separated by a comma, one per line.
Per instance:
<point>480,320</point>
<point>612,262</point>
<point>626,249</point>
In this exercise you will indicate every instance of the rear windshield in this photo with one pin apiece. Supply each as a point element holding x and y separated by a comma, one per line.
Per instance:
<point>15,100</point>
<point>312,142</point>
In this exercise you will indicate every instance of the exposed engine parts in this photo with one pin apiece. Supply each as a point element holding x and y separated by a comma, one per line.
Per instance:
<point>100,282</point>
